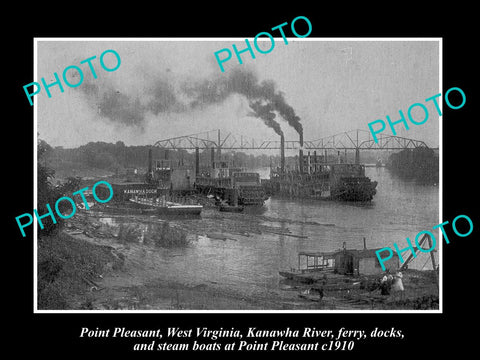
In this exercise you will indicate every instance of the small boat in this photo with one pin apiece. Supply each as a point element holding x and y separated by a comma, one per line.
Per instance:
<point>230,208</point>
<point>166,207</point>
<point>297,276</point>
<point>312,294</point>
<point>182,209</point>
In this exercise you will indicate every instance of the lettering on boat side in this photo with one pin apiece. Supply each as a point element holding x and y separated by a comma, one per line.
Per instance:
<point>255,42</point>
<point>140,191</point>
<point>80,192</point>
<point>411,109</point>
<point>418,246</point>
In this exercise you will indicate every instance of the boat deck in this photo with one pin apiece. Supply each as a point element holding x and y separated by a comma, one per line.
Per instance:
<point>313,276</point>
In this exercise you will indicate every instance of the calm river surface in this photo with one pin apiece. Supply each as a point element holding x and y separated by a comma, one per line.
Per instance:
<point>245,251</point>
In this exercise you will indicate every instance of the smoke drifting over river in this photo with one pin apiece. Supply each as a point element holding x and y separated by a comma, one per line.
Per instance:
<point>169,88</point>
<point>263,97</point>
<point>162,95</point>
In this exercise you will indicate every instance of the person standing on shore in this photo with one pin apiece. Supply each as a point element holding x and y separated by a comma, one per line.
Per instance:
<point>397,285</point>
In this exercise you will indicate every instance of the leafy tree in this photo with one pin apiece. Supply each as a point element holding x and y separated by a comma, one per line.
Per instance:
<point>46,192</point>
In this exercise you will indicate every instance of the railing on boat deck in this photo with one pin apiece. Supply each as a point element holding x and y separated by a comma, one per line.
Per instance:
<point>320,260</point>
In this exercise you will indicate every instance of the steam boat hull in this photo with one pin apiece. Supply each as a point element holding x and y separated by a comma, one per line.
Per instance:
<point>233,185</point>
<point>343,182</point>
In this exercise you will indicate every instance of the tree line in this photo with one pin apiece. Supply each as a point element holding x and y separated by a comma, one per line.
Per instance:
<point>117,156</point>
<point>421,164</point>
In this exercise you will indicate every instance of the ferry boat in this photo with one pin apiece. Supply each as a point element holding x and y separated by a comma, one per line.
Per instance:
<point>160,206</point>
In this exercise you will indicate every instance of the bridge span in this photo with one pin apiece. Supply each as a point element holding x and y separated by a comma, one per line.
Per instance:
<point>349,140</point>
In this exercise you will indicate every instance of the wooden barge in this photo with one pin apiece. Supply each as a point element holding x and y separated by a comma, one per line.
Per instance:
<point>345,266</point>
<point>143,198</point>
<point>163,207</point>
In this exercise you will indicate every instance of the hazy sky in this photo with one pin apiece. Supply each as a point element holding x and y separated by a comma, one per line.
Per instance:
<point>333,86</point>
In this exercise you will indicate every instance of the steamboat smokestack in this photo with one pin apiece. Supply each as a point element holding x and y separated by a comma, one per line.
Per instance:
<point>150,160</point>
<point>308,163</point>
<point>212,157</point>
<point>197,161</point>
<point>282,153</point>
<point>219,148</point>
<point>300,153</point>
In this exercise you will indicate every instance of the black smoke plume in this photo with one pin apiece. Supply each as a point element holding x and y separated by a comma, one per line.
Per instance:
<point>265,112</point>
<point>111,103</point>
<point>162,95</point>
<point>262,95</point>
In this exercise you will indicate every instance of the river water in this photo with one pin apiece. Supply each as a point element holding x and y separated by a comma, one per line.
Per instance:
<point>245,251</point>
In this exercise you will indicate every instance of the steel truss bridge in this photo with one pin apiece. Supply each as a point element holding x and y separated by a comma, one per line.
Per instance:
<point>350,140</point>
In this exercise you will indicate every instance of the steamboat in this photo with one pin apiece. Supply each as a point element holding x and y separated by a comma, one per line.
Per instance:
<point>317,177</point>
<point>233,185</point>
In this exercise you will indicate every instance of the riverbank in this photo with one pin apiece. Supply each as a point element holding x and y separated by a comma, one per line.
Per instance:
<point>77,271</point>
<point>93,266</point>
<point>69,270</point>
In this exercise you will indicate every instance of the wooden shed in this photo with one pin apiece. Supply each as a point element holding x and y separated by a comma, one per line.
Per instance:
<point>362,262</point>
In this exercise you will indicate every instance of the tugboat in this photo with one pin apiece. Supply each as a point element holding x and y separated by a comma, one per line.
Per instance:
<point>226,207</point>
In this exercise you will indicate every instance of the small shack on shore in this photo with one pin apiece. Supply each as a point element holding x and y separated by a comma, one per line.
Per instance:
<point>362,262</point>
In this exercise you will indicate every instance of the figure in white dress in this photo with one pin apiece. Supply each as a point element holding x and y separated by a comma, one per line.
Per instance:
<point>397,285</point>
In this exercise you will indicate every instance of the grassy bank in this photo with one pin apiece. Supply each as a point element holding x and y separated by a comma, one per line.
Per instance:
<point>68,271</point>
